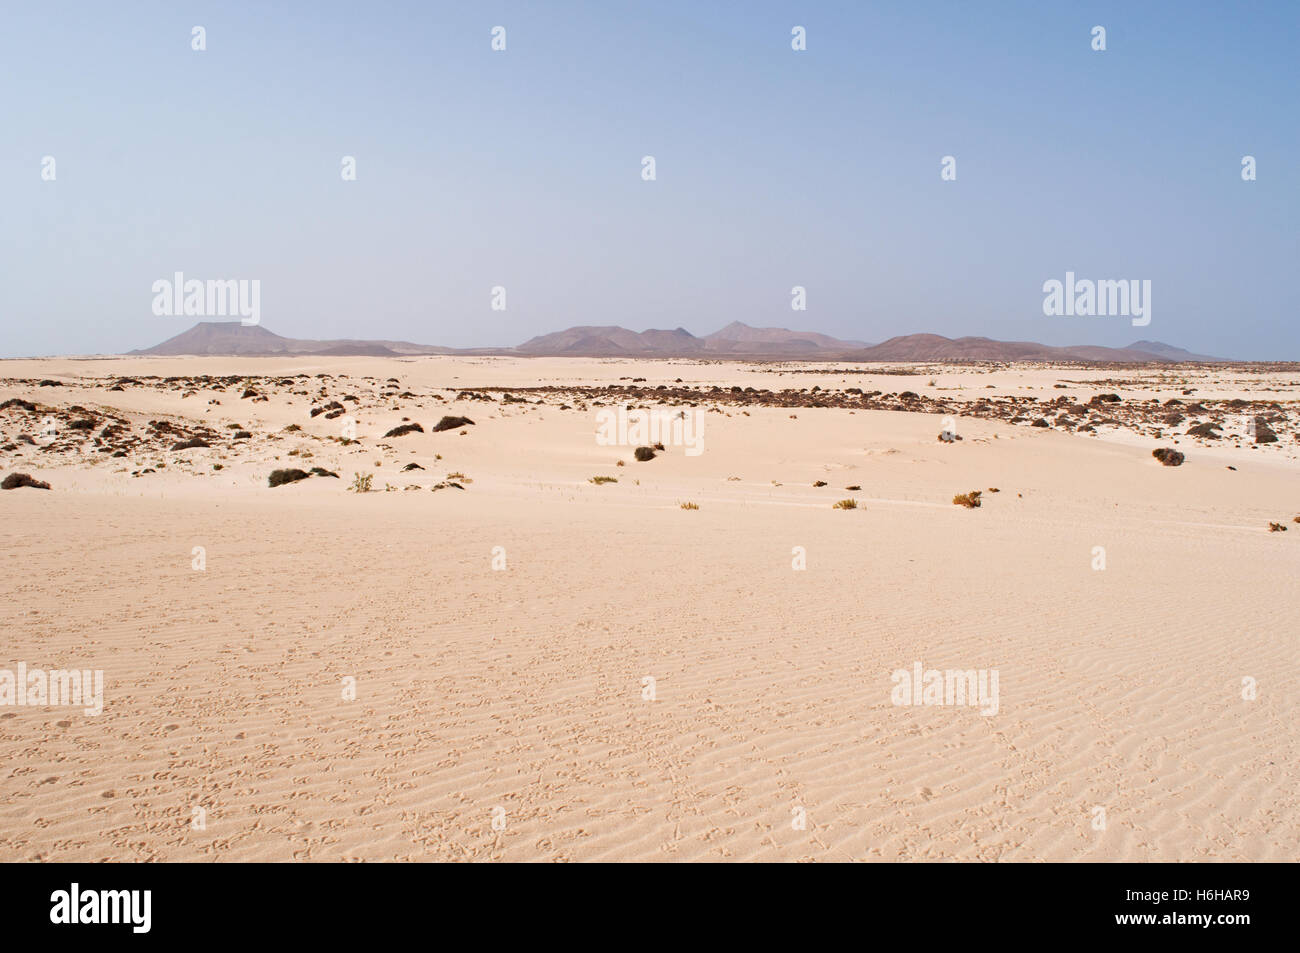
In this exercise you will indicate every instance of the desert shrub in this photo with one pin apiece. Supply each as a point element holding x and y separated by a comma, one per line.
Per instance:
<point>690,506</point>
<point>598,480</point>
<point>644,453</point>
<point>969,500</point>
<point>1168,456</point>
<point>849,504</point>
<point>361,482</point>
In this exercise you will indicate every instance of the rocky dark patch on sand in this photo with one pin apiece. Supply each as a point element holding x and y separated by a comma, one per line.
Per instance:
<point>1147,417</point>
<point>15,480</point>
<point>403,429</point>
<point>281,477</point>
<point>1168,456</point>
<point>452,423</point>
<point>327,409</point>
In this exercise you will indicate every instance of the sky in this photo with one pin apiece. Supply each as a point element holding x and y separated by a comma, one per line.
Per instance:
<point>774,168</point>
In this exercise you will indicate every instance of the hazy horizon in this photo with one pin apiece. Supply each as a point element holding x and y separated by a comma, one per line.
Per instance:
<point>697,333</point>
<point>521,169</point>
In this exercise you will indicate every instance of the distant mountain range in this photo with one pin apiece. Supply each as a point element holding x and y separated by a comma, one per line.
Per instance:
<point>735,341</point>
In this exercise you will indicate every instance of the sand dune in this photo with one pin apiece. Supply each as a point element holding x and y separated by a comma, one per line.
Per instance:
<point>502,713</point>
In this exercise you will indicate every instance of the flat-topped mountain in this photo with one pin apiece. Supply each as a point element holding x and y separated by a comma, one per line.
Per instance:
<point>233,338</point>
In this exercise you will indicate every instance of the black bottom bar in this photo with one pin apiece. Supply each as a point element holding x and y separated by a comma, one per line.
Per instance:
<point>1161,903</point>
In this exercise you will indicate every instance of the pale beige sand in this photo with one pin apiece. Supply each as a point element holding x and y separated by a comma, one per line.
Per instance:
<point>522,689</point>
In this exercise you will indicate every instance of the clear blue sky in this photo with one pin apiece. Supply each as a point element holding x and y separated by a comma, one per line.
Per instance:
<point>775,168</point>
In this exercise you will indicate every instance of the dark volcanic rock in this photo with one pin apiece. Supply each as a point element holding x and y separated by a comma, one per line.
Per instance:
<point>1263,432</point>
<point>452,423</point>
<point>405,429</point>
<point>280,477</point>
<point>14,480</point>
